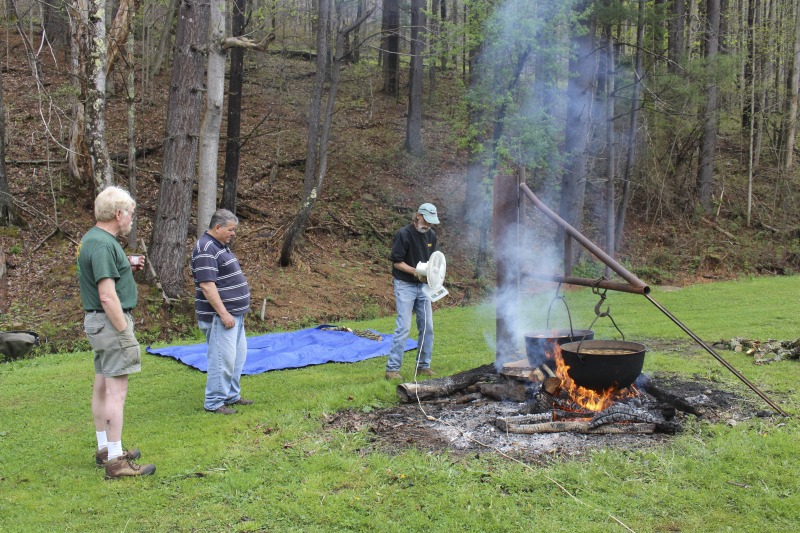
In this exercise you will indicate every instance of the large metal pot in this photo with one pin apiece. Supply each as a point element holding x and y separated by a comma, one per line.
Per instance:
<point>601,365</point>
<point>539,343</point>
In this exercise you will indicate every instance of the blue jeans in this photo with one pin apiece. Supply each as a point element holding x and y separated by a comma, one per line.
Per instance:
<point>227,351</point>
<point>409,298</point>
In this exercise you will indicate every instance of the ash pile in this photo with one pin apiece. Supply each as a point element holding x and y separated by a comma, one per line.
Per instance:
<point>523,413</point>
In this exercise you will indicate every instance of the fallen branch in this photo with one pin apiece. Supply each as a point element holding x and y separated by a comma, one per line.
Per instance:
<point>167,299</point>
<point>248,44</point>
<point>720,229</point>
<point>56,231</point>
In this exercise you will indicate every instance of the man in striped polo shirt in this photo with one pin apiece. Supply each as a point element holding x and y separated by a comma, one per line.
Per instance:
<point>222,297</point>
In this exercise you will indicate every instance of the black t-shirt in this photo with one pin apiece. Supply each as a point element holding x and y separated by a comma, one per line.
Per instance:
<point>411,247</point>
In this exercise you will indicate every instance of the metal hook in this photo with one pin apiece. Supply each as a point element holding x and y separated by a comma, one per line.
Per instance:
<point>597,311</point>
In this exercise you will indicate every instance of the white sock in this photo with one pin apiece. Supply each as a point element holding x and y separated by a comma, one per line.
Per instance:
<point>102,440</point>
<point>114,449</point>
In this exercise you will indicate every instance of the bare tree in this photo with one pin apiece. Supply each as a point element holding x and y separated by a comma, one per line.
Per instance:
<point>102,173</point>
<point>708,143</point>
<point>171,224</point>
<point>130,100</point>
<point>166,33</point>
<point>790,113</point>
<point>78,158</point>
<point>390,47</point>
<point>580,91</point>
<point>7,214</point>
<point>118,33</point>
<point>631,148</point>
<point>413,143</point>
<point>611,153</point>
<point>319,125</point>
<point>212,118</point>
<point>234,123</point>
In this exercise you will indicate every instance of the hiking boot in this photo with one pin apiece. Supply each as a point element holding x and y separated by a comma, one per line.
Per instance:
<point>425,372</point>
<point>121,467</point>
<point>222,411</point>
<point>242,401</point>
<point>101,455</point>
<point>393,374</point>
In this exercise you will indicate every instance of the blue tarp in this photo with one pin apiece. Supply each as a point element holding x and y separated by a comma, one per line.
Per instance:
<point>274,351</point>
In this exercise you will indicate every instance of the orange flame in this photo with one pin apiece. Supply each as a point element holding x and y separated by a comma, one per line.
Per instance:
<point>586,398</point>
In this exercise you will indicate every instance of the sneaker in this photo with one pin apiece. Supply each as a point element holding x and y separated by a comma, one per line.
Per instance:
<point>121,467</point>
<point>393,374</point>
<point>222,410</point>
<point>101,455</point>
<point>242,401</point>
<point>425,372</point>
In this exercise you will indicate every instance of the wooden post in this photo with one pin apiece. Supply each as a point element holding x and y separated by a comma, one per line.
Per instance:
<point>505,234</point>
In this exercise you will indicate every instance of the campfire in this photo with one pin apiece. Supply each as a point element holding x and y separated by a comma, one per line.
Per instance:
<point>509,410</point>
<point>557,403</point>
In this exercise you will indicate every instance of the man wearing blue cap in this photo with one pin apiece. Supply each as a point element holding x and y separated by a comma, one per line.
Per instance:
<point>413,244</point>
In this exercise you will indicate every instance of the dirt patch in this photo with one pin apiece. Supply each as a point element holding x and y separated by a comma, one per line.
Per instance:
<point>459,426</point>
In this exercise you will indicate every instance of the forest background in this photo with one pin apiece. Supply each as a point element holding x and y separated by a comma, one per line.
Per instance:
<point>664,130</point>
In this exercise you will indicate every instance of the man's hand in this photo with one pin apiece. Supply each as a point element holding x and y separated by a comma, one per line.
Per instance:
<point>227,320</point>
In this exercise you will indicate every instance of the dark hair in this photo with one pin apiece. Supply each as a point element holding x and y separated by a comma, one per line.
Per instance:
<point>222,217</point>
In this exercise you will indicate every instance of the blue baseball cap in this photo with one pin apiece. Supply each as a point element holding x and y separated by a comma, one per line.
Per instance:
<point>428,212</point>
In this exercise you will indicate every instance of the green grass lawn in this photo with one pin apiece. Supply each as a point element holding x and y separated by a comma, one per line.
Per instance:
<point>273,467</point>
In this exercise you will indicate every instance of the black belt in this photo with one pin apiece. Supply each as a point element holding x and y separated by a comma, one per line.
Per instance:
<point>101,311</point>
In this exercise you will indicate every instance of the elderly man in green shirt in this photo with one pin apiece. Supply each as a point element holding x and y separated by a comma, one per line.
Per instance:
<point>108,295</point>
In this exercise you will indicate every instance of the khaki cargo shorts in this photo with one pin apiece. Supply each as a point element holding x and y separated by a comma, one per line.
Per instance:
<point>115,354</point>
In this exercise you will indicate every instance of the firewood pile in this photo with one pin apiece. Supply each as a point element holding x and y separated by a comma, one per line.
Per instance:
<point>763,352</point>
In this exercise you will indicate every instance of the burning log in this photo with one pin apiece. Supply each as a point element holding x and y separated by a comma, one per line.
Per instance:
<point>552,385</point>
<point>445,386</point>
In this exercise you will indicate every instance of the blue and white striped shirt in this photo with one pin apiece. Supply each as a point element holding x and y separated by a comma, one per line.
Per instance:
<point>213,261</point>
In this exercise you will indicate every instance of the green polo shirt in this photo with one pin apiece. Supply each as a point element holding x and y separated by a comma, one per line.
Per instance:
<point>101,256</point>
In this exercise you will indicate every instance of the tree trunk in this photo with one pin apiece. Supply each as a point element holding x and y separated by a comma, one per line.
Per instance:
<point>235,86</point>
<point>96,97</point>
<point>171,224</point>
<point>630,157</point>
<point>78,159</point>
<point>318,133</point>
<point>413,142</point>
<point>611,152</point>
<point>56,25</point>
<point>310,193</point>
<point>118,33</point>
<point>708,143</point>
<point>677,27</point>
<point>355,53</point>
<point>433,45</point>
<point>7,214</point>
<point>790,115</point>
<point>130,97</point>
<point>162,51</point>
<point>212,119</point>
<point>391,47</point>
<point>580,92</point>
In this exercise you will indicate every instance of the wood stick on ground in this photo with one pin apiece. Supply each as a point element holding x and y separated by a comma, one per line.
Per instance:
<point>167,299</point>
<point>438,387</point>
<point>579,427</point>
